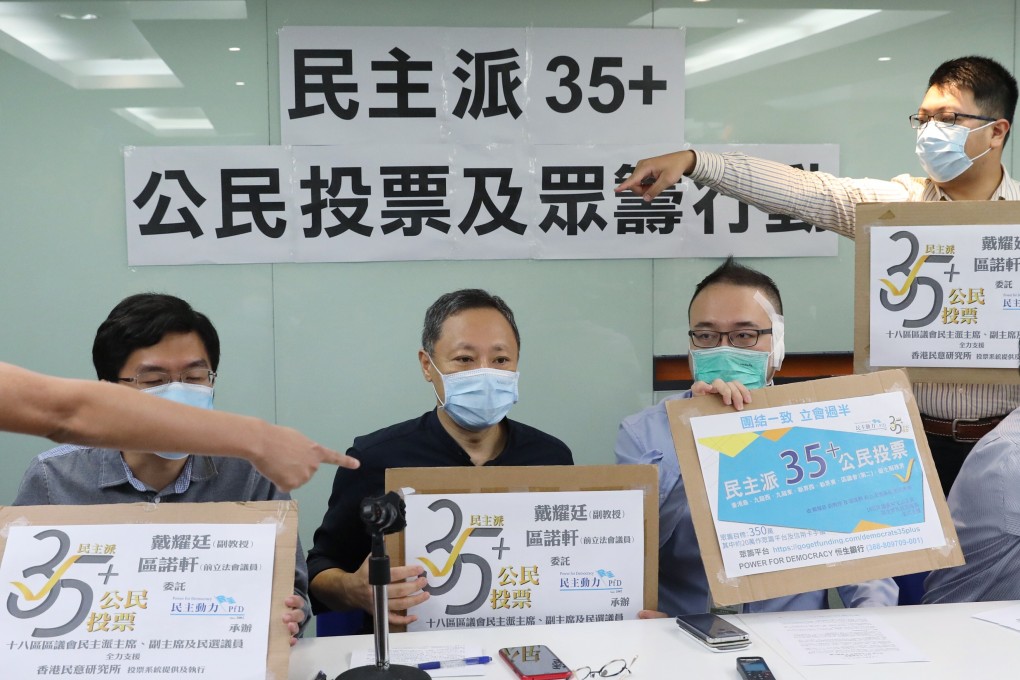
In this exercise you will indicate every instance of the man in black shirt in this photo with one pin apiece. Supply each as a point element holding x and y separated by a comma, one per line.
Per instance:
<point>470,348</point>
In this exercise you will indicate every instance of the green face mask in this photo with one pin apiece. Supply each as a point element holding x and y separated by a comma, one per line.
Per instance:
<point>747,366</point>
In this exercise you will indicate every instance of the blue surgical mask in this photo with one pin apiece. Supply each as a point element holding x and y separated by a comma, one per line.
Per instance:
<point>199,396</point>
<point>941,150</point>
<point>747,366</point>
<point>479,398</point>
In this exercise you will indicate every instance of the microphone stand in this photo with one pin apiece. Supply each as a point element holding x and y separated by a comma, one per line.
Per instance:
<point>379,578</point>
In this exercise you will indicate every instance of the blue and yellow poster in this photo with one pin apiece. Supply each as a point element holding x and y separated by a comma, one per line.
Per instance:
<point>815,483</point>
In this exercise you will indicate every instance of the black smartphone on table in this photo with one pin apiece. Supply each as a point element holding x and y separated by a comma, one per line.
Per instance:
<point>754,668</point>
<point>713,631</point>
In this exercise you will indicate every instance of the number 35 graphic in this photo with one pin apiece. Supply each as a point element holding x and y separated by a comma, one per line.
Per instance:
<point>54,570</point>
<point>910,267</point>
<point>453,543</point>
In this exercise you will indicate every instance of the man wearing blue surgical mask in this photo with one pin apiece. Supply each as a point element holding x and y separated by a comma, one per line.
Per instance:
<point>960,130</point>
<point>737,343</point>
<point>160,345</point>
<point>470,346</point>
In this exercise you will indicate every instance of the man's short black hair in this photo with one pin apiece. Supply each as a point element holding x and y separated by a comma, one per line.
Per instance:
<point>993,87</point>
<point>449,304</point>
<point>143,320</point>
<point>736,274</point>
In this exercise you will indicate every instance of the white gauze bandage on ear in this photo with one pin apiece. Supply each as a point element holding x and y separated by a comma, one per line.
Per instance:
<point>778,330</point>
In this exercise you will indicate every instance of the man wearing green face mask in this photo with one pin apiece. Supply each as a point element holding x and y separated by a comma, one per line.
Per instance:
<point>737,337</point>
<point>736,344</point>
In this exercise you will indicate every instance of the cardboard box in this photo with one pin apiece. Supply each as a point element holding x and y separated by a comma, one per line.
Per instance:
<point>282,513</point>
<point>727,591</point>
<point>498,479</point>
<point>919,214</point>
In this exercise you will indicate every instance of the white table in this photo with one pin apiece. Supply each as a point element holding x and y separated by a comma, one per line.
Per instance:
<point>959,646</point>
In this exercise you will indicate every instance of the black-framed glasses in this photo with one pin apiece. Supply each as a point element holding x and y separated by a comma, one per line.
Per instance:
<point>610,670</point>
<point>742,337</point>
<point>143,380</point>
<point>943,119</point>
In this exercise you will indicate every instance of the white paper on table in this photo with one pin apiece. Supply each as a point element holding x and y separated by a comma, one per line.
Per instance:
<point>1006,616</point>
<point>412,656</point>
<point>848,639</point>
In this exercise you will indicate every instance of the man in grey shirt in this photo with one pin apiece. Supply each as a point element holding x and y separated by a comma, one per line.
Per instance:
<point>158,344</point>
<point>985,505</point>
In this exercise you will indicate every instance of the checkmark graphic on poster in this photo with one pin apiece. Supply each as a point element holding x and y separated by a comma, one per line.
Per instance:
<point>48,586</point>
<point>910,278</point>
<point>452,559</point>
<point>910,469</point>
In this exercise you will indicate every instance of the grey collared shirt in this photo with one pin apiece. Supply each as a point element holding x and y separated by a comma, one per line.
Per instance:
<point>985,505</point>
<point>77,475</point>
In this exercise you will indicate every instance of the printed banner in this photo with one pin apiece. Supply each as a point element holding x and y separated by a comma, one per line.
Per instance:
<point>464,86</point>
<point>816,483</point>
<point>200,205</point>
<point>500,559</point>
<point>145,601</point>
<point>945,296</point>
<point>455,143</point>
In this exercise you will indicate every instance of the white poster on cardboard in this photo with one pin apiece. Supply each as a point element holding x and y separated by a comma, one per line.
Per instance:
<point>945,296</point>
<point>140,601</point>
<point>496,559</point>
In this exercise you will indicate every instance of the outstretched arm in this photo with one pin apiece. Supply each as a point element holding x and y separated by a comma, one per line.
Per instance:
<point>818,198</point>
<point>105,414</point>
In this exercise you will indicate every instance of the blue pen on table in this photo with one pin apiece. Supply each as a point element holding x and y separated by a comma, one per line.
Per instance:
<point>453,663</point>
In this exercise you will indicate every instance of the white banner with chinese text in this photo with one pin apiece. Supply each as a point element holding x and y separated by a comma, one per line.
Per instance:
<point>464,86</point>
<point>352,203</point>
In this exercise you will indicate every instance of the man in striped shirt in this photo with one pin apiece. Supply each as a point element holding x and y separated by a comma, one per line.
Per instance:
<point>963,123</point>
